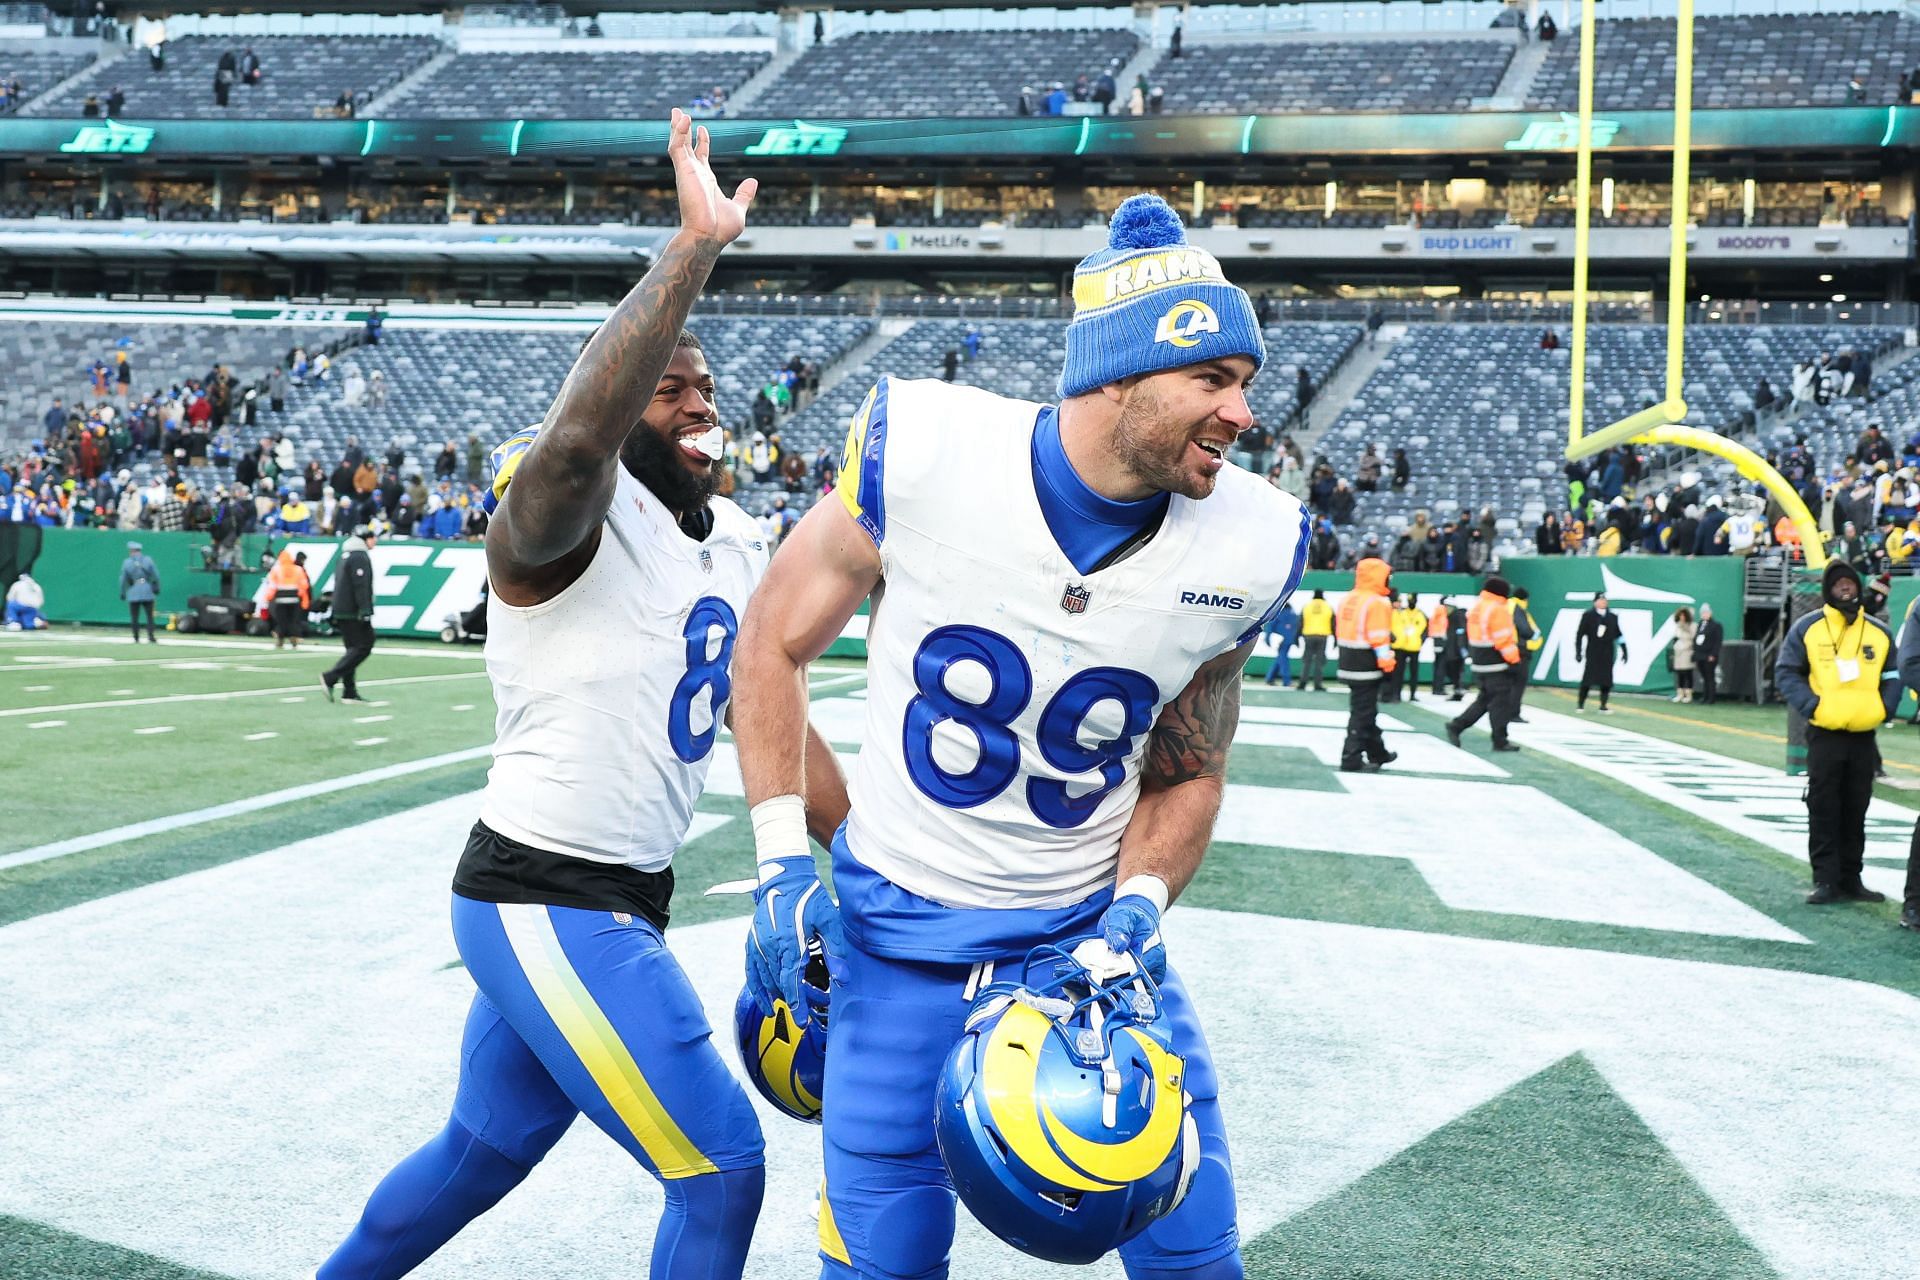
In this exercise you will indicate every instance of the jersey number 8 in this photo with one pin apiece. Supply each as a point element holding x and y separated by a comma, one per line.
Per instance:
<point>709,613</point>
<point>990,721</point>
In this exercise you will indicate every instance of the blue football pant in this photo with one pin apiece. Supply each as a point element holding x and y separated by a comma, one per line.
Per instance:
<point>577,1011</point>
<point>888,1209</point>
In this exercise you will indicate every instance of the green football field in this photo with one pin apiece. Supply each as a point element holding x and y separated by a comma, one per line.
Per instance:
<point>1555,1014</point>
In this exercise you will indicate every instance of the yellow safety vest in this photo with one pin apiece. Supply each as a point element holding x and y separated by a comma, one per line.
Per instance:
<point>1851,705</point>
<point>1316,618</point>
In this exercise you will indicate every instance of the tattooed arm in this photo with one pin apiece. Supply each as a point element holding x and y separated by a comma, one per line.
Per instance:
<point>1184,776</point>
<point>546,531</point>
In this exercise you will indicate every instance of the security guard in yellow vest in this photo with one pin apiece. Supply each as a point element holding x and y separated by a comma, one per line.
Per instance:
<point>1527,632</point>
<point>1409,635</point>
<point>1316,628</point>
<point>1836,668</point>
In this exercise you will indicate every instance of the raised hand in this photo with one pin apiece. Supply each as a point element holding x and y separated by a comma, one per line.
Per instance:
<point>704,212</point>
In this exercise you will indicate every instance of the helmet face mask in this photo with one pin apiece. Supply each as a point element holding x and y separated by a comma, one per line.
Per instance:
<point>785,1052</point>
<point>1061,1114</point>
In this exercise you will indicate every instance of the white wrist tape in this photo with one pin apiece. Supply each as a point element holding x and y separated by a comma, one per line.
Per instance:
<point>1152,888</point>
<point>779,831</point>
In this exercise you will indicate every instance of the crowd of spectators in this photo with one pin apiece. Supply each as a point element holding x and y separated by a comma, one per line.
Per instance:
<point>1100,90</point>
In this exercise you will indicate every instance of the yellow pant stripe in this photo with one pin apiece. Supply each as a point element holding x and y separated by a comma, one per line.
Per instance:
<point>567,1001</point>
<point>830,1242</point>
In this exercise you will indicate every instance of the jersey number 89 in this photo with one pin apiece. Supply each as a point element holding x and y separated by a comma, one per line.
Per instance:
<point>990,721</point>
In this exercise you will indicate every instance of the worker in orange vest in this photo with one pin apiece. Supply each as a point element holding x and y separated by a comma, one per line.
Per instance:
<point>290,595</point>
<point>1363,630</point>
<point>1494,646</point>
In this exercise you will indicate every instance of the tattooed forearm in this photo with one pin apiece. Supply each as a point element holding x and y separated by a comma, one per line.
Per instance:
<point>1191,738</point>
<point>564,485</point>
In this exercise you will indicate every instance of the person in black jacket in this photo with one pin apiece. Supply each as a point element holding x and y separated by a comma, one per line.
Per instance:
<point>352,614</point>
<point>1598,643</point>
<point>1706,653</point>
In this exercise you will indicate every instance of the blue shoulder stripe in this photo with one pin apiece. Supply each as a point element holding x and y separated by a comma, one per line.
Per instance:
<point>1294,574</point>
<point>873,466</point>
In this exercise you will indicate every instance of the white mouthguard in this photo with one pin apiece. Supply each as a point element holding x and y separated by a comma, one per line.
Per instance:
<point>710,442</point>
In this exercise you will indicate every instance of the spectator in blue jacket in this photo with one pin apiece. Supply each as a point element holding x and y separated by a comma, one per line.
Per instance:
<point>1285,629</point>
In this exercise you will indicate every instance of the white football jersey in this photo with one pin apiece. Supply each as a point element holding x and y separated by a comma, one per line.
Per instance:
<point>610,695</point>
<point>1009,696</point>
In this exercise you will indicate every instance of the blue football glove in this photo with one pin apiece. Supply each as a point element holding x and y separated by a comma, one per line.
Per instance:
<point>1131,926</point>
<point>790,908</point>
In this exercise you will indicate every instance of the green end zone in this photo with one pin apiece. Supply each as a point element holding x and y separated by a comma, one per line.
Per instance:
<point>1441,879</point>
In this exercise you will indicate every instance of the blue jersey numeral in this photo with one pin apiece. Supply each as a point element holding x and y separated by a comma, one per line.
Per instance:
<point>709,614</point>
<point>990,721</point>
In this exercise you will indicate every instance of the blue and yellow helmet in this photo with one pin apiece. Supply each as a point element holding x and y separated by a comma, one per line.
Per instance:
<point>785,1052</point>
<point>1062,1115</point>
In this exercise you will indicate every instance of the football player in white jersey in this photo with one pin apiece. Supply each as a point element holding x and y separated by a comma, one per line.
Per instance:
<point>617,581</point>
<point>1063,600</point>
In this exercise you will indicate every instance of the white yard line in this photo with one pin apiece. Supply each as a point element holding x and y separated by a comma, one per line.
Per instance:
<point>156,728</point>
<point>371,719</point>
<point>230,694</point>
<point>368,742</point>
<point>40,666</point>
<point>259,737</point>
<point>391,649</point>
<point>46,724</point>
<point>306,791</point>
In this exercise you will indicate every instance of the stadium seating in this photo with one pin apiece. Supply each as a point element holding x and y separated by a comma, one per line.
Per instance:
<point>38,70</point>
<point>45,359</point>
<point>1022,358</point>
<point>298,75</point>
<point>937,73</point>
<point>570,85</point>
<point>1771,60</point>
<point>1481,409</point>
<point>1332,75</point>
<point>447,384</point>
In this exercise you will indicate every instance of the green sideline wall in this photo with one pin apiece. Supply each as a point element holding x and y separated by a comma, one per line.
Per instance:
<point>419,582</point>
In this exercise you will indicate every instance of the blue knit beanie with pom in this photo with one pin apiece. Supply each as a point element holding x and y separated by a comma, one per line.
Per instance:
<point>1150,301</point>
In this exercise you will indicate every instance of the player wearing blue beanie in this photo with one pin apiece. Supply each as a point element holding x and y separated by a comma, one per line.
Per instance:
<point>1150,301</point>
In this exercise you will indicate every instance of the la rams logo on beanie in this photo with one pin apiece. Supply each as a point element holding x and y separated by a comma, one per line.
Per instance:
<point>1150,301</point>
<point>1183,325</point>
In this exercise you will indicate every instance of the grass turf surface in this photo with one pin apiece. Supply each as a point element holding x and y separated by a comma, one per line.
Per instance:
<point>1555,1177</point>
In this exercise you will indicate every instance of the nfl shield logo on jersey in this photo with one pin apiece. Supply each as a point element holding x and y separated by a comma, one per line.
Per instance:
<point>1075,599</point>
<point>706,560</point>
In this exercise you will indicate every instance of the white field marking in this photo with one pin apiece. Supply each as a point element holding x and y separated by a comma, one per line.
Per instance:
<point>227,695</point>
<point>121,693</point>
<point>1440,826</point>
<point>1418,752</point>
<point>295,698</point>
<point>58,664</point>
<point>371,719</point>
<point>38,688</point>
<point>726,887</point>
<point>814,685</point>
<point>233,808</point>
<point>368,742</point>
<point>260,737</point>
<point>462,706</point>
<point>1387,1036</point>
<point>157,728</point>
<point>46,724</point>
<point>1750,800</point>
<point>43,661</point>
<point>1310,718</point>
<point>377,702</point>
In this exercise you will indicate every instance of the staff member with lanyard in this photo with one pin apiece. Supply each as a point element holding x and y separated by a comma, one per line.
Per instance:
<point>1836,669</point>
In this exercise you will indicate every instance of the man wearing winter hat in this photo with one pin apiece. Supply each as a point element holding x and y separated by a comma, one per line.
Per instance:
<point>1080,642</point>
<point>1836,669</point>
<point>1493,644</point>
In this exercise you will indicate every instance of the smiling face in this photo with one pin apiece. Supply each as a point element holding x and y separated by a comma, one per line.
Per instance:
<point>1175,427</point>
<point>660,451</point>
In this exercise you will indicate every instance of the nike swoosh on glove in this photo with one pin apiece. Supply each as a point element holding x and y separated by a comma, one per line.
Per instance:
<point>790,909</point>
<point>1131,926</point>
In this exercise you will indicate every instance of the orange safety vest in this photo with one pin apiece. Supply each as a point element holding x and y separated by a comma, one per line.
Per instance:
<point>1491,637</point>
<point>287,577</point>
<point>1363,625</point>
